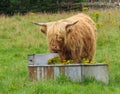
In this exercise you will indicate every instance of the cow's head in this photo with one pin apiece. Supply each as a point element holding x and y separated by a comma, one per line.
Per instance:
<point>56,33</point>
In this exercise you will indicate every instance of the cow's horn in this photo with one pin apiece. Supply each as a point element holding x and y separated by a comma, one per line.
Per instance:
<point>71,23</point>
<point>40,24</point>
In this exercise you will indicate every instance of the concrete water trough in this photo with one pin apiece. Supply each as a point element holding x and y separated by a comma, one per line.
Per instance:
<point>39,69</point>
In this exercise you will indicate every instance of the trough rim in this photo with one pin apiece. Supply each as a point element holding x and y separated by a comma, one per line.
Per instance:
<point>68,65</point>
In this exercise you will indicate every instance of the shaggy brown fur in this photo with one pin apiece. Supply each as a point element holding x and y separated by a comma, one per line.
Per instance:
<point>75,41</point>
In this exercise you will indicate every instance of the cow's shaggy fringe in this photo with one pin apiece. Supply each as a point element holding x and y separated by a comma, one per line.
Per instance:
<point>76,42</point>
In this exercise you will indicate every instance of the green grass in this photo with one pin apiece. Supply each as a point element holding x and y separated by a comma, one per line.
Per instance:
<point>18,38</point>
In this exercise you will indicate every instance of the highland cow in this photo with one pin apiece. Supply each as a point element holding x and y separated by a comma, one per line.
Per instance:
<point>73,38</point>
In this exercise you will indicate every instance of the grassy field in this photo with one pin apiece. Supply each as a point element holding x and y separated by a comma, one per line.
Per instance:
<point>18,38</point>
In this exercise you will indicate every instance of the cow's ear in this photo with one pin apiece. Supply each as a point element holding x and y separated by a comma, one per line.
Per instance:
<point>43,26</point>
<point>68,30</point>
<point>44,29</point>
